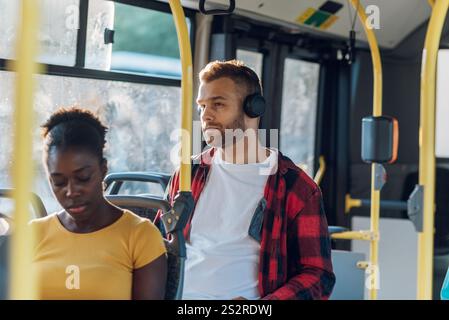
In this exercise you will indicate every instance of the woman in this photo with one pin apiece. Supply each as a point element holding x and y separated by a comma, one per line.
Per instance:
<point>91,249</point>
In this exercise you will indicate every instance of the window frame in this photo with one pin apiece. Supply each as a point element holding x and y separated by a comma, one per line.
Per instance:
<point>80,71</point>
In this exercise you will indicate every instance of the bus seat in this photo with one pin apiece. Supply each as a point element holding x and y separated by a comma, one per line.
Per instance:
<point>145,206</point>
<point>350,280</point>
<point>39,211</point>
<point>175,264</point>
<point>36,202</point>
<point>336,229</point>
<point>115,181</point>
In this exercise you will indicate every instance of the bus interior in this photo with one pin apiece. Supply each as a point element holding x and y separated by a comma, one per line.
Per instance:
<point>317,63</point>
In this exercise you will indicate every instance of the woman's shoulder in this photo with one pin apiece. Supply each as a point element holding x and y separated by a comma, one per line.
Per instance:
<point>146,241</point>
<point>43,225</point>
<point>42,222</point>
<point>133,219</point>
<point>137,223</point>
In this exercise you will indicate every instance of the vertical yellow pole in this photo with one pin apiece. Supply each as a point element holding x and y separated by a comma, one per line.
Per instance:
<point>377,111</point>
<point>22,280</point>
<point>427,147</point>
<point>186,87</point>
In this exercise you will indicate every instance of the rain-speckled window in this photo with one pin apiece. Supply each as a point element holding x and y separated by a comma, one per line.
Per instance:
<point>141,119</point>
<point>145,40</point>
<point>58,30</point>
<point>100,17</point>
<point>299,109</point>
<point>252,59</point>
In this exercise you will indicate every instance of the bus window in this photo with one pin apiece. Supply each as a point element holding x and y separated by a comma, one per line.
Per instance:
<point>100,17</point>
<point>57,33</point>
<point>146,44</point>
<point>442,105</point>
<point>299,109</point>
<point>141,119</point>
<point>252,59</point>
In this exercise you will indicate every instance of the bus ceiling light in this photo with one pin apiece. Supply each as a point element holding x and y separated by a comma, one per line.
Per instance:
<point>229,10</point>
<point>380,139</point>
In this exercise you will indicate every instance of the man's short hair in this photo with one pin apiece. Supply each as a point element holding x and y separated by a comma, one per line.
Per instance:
<point>235,70</point>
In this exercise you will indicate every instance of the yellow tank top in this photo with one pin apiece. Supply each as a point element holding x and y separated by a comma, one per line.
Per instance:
<point>96,265</point>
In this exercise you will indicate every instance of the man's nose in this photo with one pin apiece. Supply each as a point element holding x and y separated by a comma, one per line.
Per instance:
<point>207,114</point>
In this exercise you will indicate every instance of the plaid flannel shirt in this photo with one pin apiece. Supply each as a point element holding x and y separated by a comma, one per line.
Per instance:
<point>295,255</point>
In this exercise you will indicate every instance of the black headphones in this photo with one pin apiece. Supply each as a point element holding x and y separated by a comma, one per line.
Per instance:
<point>254,105</point>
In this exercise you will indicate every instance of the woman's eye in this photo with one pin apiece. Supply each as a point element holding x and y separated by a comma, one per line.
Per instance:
<point>83,179</point>
<point>58,183</point>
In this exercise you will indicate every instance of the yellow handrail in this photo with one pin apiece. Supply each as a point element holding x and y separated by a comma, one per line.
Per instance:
<point>321,170</point>
<point>351,203</point>
<point>22,279</point>
<point>356,235</point>
<point>427,147</point>
<point>187,94</point>
<point>377,111</point>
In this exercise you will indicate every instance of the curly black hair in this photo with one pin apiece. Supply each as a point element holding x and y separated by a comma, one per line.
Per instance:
<point>75,127</point>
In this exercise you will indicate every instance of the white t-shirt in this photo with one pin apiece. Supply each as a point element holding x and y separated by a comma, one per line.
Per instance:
<point>222,259</point>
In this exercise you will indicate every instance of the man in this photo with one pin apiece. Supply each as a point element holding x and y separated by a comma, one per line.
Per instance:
<point>258,230</point>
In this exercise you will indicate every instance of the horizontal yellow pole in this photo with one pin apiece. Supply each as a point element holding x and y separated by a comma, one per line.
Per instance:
<point>22,277</point>
<point>356,235</point>
<point>427,147</point>
<point>187,94</point>
<point>351,203</point>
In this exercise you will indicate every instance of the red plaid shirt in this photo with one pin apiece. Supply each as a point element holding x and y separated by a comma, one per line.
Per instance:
<point>295,255</point>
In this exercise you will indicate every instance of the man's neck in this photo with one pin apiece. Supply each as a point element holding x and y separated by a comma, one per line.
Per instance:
<point>244,152</point>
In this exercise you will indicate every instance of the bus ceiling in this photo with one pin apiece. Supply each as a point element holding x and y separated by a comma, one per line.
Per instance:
<point>393,21</point>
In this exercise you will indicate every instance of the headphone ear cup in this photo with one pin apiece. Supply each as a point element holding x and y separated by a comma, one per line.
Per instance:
<point>254,105</point>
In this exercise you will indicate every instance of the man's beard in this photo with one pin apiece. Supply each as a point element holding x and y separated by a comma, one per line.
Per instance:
<point>226,137</point>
